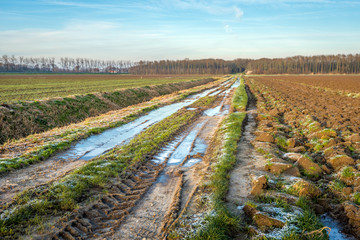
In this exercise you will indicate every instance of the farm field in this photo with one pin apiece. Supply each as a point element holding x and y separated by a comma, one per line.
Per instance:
<point>306,146</point>
<point>339,84</point>
<point>240,157</point>
<point>21,87</point>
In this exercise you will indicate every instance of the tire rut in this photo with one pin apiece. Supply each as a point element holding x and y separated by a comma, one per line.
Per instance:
<point>134,207</point>
<point>106,214</point>
<point>240,186</point>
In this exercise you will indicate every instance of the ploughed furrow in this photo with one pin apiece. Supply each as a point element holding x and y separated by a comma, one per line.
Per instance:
<point>100,218</point>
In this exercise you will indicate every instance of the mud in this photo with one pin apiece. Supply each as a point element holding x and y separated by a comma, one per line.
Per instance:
<point>100,219</point>
<point>151,213</point>
<point>247,158</point>
<point>161,205</point>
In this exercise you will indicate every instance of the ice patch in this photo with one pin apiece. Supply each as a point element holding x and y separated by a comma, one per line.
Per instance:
<point>335,233</point>
<point>212,111</point>
<point>185,147</point>
<point>168,150</point>
<point>192,161</point>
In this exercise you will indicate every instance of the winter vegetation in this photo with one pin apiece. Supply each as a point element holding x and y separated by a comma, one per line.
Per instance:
<point>321,64</point>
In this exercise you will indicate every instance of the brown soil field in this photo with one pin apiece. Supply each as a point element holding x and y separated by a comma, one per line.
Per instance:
<point>332,110</point>
<point>317,134</point>
<point>349,83</point>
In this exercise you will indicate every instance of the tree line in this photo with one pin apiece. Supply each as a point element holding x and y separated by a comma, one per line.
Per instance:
<point>304,65</point>
<point>291,65</point>
<point>204,66</point>
<point>65,64</point>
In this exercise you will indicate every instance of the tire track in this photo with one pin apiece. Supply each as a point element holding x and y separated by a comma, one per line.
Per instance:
<point>101,217</point>
<point>135,207</point>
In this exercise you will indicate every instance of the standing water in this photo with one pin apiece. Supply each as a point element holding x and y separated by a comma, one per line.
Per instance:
<point>334,225</point>
<point>96,145</point>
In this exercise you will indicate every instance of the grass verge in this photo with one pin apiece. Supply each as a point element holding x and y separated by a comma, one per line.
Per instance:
<point>240,98</point>
<point>221,224</point>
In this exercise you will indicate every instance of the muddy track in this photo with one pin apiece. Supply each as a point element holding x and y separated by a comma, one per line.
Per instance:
<point>34,176</point>
<point>167,197</point>
<point>155,211</point>
<point>99,219</point>
<point>63,163</point>
<point>240,184</point>
<point>146,203</point>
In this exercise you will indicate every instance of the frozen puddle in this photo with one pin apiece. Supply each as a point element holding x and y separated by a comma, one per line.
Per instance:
<point>96,145</point>
<point>189,148</point>
<point>221,109</point>
<point>177,151</point>
<point>213,111</point>
<point>185,147</point>
<point>168,150</point>
<point>335,233</point>
<point>192,161</point>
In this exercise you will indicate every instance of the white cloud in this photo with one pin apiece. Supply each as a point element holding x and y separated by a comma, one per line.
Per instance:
<point>227,28</point>
<point>211,7</point>
<point>105,40</point>
<point>238,13</point>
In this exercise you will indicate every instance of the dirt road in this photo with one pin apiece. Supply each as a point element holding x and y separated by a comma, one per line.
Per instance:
<point>148,209</point>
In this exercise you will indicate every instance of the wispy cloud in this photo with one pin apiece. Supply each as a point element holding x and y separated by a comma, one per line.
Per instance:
<point>211,7</point>
<point>175,29</point>
<point>238,13</point>
<point>80,4</point>
<point>227,28</point>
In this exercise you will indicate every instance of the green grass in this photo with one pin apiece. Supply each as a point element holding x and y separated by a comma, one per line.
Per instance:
<point>38,86</point>
<point>303,203</point>
<point>278,202</point>
<point>66,194</point>
<point>357,198</point>
<point>347,172</point>
<point>281,142</point>
<point>307,222</point>
<point>221,224</point>
<point>240,98</point>
<point>337,185</point>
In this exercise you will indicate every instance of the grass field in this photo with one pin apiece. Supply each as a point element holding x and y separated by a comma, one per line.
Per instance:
<point>14,87</point>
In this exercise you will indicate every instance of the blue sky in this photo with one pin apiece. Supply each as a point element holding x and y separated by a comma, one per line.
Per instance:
<point>178,29</point>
